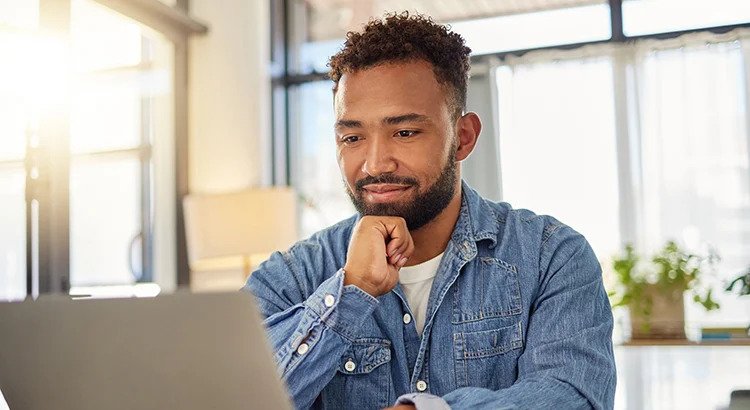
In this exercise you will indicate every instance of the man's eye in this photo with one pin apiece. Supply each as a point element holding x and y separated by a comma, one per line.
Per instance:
<point>350,139</point>
<point>406,133</point>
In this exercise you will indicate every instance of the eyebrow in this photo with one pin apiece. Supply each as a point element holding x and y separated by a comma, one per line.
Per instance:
<point>394,120</point>
<point>410,117</point>
<point>348,124</point>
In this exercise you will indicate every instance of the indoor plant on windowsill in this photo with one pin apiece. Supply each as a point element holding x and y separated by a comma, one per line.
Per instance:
<point>653,290</point>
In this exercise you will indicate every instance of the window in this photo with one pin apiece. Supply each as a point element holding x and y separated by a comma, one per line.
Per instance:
<point>694,118</point>
<point>661,16</point>
<point>535,30</point>
<point>124,80</point>
<point>315,171</point>
<point>487,26</point>
<point>318,31</point>
<point>18,22</point>
<point>13,238</point>
<point>689,149</point>
<point>642,140</point>
<point>100,111</point>
<point>557,144</point>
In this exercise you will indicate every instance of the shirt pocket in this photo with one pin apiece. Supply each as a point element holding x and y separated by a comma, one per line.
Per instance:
<point>487,358</point>
<point>365,355</point>
<point>489,288</point>
<point>363,376</point>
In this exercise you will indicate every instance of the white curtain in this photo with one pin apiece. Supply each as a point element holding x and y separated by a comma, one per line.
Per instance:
<point>558,141</point>
<point>692,95</point>
<point>641,143</point>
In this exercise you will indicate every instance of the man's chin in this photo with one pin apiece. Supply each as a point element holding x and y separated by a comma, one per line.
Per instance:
<point>394,208</point>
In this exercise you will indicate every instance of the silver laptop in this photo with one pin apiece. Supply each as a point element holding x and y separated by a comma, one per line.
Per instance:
<point>181,351</point>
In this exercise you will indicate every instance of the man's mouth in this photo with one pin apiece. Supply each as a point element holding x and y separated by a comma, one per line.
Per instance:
<point>384,192</point>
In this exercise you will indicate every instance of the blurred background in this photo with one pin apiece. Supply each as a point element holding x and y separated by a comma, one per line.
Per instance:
<point>132,132</point>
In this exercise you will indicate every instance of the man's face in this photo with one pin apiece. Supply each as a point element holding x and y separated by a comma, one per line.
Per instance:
<point>396,141</point>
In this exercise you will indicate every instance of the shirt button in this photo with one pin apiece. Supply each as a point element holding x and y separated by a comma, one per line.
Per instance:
<point>407,318</point>
<point>329,300</point>
<point>350,366</point>
<point>421,385</point>
<point>303,348</point>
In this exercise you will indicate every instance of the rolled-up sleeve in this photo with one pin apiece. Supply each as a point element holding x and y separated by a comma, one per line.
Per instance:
<point>308,337</point>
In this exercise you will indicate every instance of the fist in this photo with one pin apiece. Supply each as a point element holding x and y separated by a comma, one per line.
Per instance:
<point>379,247</point>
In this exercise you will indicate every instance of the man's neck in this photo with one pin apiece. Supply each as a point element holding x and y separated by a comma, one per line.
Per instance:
<point>432,239</point>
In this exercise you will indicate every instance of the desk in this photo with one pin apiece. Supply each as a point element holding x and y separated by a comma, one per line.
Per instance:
<point>680,374</point>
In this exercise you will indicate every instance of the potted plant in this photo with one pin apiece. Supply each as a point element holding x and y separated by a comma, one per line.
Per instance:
<point>653,289</point>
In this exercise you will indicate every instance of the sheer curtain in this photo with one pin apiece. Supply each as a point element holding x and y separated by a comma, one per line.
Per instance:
<point>644,143</point>
<point>692,122</point>
<point>558,143</point>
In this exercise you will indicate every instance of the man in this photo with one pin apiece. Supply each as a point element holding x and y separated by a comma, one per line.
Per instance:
<point>431,296</point>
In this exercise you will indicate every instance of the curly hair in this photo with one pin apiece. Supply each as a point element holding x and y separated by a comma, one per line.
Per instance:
<point>403,37</point>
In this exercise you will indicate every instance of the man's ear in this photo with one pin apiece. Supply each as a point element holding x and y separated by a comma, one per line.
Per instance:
<point>468,128</point>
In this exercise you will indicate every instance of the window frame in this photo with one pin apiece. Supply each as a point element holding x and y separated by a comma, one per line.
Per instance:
<point>286,12</point>
<point>48,198</point>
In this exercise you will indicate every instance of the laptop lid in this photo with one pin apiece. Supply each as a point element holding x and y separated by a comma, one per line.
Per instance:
<point>186,351</point>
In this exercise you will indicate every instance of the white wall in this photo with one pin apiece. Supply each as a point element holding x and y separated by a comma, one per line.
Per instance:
<point>229,106</point>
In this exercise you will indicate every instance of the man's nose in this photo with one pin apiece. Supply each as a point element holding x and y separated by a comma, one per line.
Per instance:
<point>379,158</point>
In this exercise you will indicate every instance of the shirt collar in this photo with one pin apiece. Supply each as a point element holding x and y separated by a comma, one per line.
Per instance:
<point>477,220</point>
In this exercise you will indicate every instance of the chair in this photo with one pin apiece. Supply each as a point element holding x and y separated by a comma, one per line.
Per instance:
<point>231,233</point>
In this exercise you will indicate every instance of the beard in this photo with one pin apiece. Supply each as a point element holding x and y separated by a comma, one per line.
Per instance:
<point>417,212</point>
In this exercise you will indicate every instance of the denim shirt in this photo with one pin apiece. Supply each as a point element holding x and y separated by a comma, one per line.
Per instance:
<point>517,318</point>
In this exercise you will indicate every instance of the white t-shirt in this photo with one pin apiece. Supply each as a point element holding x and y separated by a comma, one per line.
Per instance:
<point>416,281</point>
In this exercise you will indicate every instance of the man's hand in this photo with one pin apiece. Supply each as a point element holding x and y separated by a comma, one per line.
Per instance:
<point>379,247</point>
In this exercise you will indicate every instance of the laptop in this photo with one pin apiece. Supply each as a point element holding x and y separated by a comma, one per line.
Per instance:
<point>179,351</point>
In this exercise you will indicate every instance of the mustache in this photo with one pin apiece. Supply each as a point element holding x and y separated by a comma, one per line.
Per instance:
<point>385,179</point>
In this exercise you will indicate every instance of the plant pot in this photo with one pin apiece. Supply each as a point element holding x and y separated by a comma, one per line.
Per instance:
<point>667,315</point>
